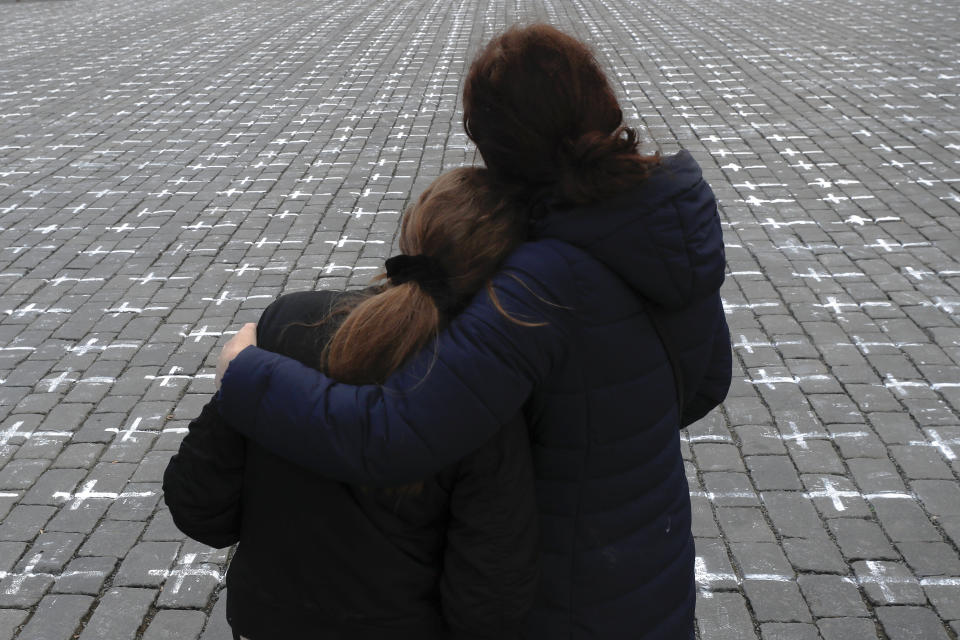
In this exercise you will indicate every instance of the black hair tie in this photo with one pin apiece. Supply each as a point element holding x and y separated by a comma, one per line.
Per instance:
<point>428,274</point>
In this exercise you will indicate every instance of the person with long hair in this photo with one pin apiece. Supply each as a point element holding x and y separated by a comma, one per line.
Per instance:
<point>622,342</point>
<point>450,556</point>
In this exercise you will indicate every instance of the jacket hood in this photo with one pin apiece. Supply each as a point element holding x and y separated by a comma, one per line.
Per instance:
<point>663,238</point>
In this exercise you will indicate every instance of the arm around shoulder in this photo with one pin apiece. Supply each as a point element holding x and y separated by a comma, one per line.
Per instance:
<point>476,376</point>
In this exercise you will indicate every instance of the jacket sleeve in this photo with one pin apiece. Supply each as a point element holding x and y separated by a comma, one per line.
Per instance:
<point>202,483</point>
<point>490,565</point>
<point>711,386</point>
<point>476,376</point>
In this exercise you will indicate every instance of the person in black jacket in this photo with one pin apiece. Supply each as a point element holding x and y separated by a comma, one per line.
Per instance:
<point>621,276</point>
<point>453,556</point>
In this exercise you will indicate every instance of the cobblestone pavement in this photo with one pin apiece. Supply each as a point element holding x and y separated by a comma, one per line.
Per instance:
<point>168,167</point>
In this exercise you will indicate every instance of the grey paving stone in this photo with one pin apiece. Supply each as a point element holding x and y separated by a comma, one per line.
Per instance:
<point>21,474</point>
<point>724,616</point>
<point>773,473</point>
<point>944,595</point>
<point>217,627</point>
<point>175,625</point>
<point>730,489</point>
<point>190,583</point>
<point>10,620</point>
<point>119,614</point>
<point>85,575</point>
<point>54,549</point>
<point>759,439</point>
<point>930,558</point>
<point>818,554</point>
<point>146,564</point>
<point>78,456</point>
<point>861,539</point>
<point>744,524</point>
<point>24,522</point>
<point>876,475</point>
<point>714,571</point>
<point>856,441</point>
<point>793,515</point>
<point>835,496</point>
<point>832,596</point>
<point>776,600</point>
<point>161,527</point>
<point>941,498</point>
<point>112,538</point>
<point>788,631</point>
<point>816,456</point>
<point>911,623</point>
<point>848,629</point>
<point>888,583</point>
<point>717,457</point>
<point>57,617</point>
<point>904,521</point>
<point>920,462</point>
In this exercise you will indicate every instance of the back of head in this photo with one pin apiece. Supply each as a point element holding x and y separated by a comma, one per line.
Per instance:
<point>468,226</point>
<point>543,116</point>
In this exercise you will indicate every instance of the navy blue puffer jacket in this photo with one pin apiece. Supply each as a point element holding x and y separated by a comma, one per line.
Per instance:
<point>592,378</point>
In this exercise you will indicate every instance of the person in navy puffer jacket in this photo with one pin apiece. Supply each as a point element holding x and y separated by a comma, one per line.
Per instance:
<point>621,247</point>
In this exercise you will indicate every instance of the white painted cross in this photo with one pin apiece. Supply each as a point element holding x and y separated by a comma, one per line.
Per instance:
<point>917,274</point>
<point>888,246</point>
<point>54,383</point>
<point>172,375</point>
<point>129,431</point>
<point>730,307</point>
<point>706,579</point>
<point>748,346</point>
<point>32,308</point>
<point>91,345</point>
<point>17,580</point>
<point>880,577</point>
<point>11,432</point>
<point>755,201</point>
<point>150,277</point>
<point>87,493</point>
<point>937,442</point>
<point>835,495</point>
<point>42,436</point>
<point>836,306</point>
<point>100,251</point>
<point>865,346</point>
<point>201,333</point>
<point>126,308</point>
<point>801,438</point>
<point>899,386</point>
<point>772,381</point>
<point>339,244</point>
<point>262,242</point>
<point>225,297</point>
<point>186,570</point>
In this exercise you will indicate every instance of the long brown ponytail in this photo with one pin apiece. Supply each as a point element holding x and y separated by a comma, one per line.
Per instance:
<point>469,226</point>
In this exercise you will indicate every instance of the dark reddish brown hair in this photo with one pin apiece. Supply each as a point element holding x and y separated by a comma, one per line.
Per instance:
<point>470,227</point>
<point>545,118</point>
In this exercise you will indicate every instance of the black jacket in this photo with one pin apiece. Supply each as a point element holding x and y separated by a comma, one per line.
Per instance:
<point>324,560</point>
<point>596,385</point>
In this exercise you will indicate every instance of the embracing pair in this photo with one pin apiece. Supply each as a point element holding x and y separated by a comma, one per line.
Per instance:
<point>486,443</point>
